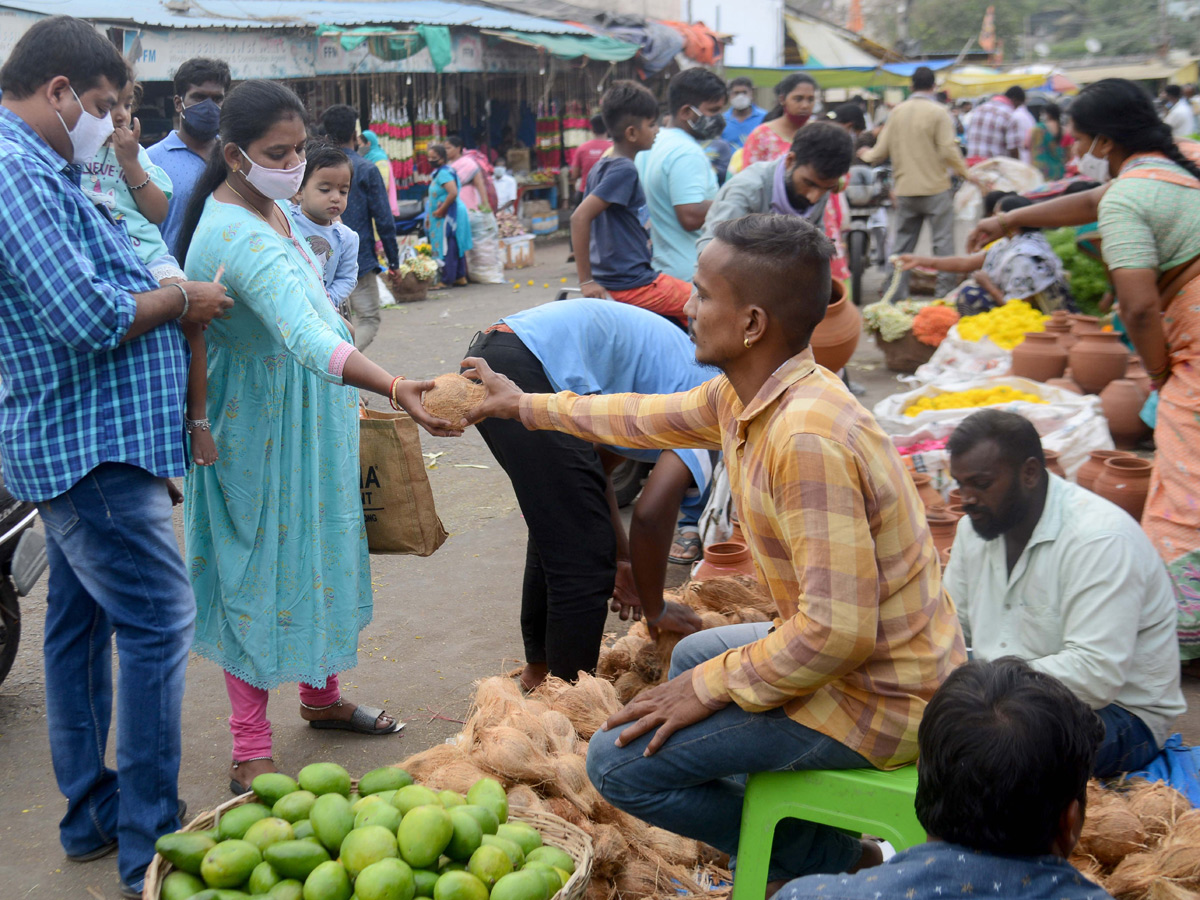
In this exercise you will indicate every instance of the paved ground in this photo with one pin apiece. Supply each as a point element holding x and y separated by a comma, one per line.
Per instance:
<point>440,623</point>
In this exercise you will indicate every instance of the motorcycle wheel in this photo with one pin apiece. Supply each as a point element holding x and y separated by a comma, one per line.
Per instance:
<point>857,242</point>
<point>10,625</point>
<point>627,480</point>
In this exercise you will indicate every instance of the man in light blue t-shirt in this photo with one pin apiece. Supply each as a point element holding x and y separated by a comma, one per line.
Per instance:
<point>676,173</point>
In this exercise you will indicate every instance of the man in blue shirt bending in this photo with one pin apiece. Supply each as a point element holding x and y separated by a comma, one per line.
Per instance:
<point>1006,753</point>
<point>93,369</point>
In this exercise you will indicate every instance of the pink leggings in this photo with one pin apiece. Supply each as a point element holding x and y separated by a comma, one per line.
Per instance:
<point>249,725</point>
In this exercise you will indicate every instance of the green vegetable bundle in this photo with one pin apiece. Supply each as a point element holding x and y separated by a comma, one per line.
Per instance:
<point>1088,279</point>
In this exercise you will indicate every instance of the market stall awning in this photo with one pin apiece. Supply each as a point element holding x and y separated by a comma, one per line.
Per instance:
<point>822,46</point>
<point>1152,70</point>
<point>977,81</point>
<point>887,75</point>
<point>390,44</point>
<point>600,47</point>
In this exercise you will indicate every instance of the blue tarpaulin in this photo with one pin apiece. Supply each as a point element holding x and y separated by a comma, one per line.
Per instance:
<point>1178,766</point>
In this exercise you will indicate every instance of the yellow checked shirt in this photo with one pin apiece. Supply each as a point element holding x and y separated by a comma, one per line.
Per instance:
<point>838,535</point>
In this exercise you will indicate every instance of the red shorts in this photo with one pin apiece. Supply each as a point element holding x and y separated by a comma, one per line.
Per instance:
<point>665,295</point>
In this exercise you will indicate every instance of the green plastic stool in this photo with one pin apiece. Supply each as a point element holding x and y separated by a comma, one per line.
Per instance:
<point>855,800</point>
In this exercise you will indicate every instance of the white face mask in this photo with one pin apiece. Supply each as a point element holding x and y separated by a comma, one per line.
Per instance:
<point>1092,167</point>
<point>274,184</point>
<point>740,101</point>
<point>88,135</point>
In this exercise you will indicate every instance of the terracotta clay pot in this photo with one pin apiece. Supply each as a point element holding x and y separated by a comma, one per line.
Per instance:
<point>1052,463</point>
<point>1081,324</point>
<point>1122,401</point>
<point>1137,374</point>
<point>1086,475</point>
<point>1097,359</point>
<point>1061,329</point>
<point>930,496</point>
<point>725,558</point>
<point>1039,357</point>
<point>954,498</point>
<point>834,340</point>
<point>905,355</point>
<point>1125,481</point>
<point>942,525</point>
<point>1065,383</point>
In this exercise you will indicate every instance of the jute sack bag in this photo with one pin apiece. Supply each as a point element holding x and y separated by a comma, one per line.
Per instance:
<point>396,496</point>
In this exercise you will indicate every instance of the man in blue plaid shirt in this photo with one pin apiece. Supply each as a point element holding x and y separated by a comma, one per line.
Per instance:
<point>93,369</point>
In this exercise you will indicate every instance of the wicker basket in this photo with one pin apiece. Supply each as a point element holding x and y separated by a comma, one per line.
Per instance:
<point>408,288</point>
<point>555,831</point>
<point>905,355</point>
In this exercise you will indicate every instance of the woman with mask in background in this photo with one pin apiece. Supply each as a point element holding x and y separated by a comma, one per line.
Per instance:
<point>274,530</point>
<point>1149,223</point>
<point>796,97</point>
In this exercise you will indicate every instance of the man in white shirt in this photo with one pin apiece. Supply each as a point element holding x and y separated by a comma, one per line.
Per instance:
<point>1179,112</point>
<point>1059,576</point>
<point>1025,123</point>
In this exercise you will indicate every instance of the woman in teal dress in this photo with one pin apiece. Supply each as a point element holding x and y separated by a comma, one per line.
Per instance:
<point>274,531</point>
<point>449,223</point>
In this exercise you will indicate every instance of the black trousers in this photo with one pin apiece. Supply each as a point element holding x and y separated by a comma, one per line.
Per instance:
<point>570,558</point>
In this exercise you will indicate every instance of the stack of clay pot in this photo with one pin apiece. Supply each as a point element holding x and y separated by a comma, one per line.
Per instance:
<point>1096,358</point>
<point>1122,401</point>
<point>1060,326</point>
<point>1087,474</point>
<point>1039,357</point>
<point>1125,481</point>
<point>833,341</point>
<point>725,558</point>
<point>1052,463</point>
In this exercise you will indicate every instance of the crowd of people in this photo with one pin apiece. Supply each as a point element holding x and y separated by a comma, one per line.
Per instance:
<point>232,271</point>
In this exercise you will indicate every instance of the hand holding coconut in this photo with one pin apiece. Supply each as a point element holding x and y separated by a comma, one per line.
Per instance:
<point>502,399</point>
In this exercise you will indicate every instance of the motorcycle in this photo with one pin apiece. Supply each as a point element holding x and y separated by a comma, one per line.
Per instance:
<point>22,561</point>
<point>868,190</point>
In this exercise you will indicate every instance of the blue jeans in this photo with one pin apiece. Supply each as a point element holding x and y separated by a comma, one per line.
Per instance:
<point>115,568</point>
<point>695,783</point>
<point>1128,745</point>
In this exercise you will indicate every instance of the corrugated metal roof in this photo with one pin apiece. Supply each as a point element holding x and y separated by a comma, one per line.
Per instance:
<point>292,13</point>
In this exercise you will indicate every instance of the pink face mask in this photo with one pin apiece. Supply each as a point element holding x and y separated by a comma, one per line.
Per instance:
<point>274,184</point>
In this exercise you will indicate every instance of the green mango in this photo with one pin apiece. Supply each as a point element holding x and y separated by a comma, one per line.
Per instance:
<point>295,859</point>
<point>180,886</point>
<point>294,806</point>
<point>423,834</point>
<point>271,787</point>
<point>229,863</point>
<point>387,778</point>
<point>332,819</point>
<point>238,820</point>
<point>325,778</point>
<point>328,881</point>
<point>184,849</point>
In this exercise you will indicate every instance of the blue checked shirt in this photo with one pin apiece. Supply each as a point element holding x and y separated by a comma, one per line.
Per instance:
<point>72,396</point>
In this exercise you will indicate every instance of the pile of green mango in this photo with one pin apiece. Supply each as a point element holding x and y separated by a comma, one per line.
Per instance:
<point>312,839</point>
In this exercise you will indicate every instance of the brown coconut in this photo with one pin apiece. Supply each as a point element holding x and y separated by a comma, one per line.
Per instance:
<point>1111,833</point>
<point>614,662</point>
<point>711,619</point>
<point>453,397</point>
<point>1186,830</point>
<point>531,725</point>
<point>1132,877</point>
<point>565,809</point>
<point>571,782</point>
<point>522,796</point>
<point>560,733</point>
<point>1158,806</point>
<point>1089,867</point>
<point>587,703</point>
<point>421,766</point>
<point>1164,889</point>
<point>600,889</point>
<point>629,686</point>
<point>728,593</point>
<point>648,663</point>
<point>455,775</point>
<point>639,632</point>
<point>747,615</point>
<point>672,847</point>
<point>610,848</point>
<point>1178,860</point>
<point>495,698</point>
<point>512,757</point>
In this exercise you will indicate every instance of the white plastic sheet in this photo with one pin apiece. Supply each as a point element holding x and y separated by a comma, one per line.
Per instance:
<point>485,262</point>
<point>957,362</point>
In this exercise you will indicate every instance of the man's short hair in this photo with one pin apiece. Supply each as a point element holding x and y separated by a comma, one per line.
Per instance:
<point>1014,435</point>
<point>1016,94</point>
<point>598,127</point>
<point>741,81</point>
<point>1004,750</point>
<point>1173,91</point>
<point>200,70</point>
<point>826,147</point>
<point>65,46</point>
<point>626,103</point>
<point>340,123</point>
<point>691,87</point>
<point>849,114</point>
<point>783,264</point>
<point>922,79</point>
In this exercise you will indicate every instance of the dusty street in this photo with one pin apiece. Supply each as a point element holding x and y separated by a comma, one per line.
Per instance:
<point>440,623</point>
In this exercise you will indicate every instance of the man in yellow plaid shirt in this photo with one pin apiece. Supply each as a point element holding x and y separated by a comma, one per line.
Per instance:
<point>865,633</point>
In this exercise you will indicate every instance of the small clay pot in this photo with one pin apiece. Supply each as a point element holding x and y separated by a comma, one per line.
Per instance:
<point>1097,359</point>
<point>1039,357</point>
<point>956,510</point>
<point>1081,324</point>
<point>1125,481</point>
<point>942,525</point>
<point>1086,476</point>
<point>1065,383</point>
<point>1138,375</point>
<point>930,496</point>
<point>954,498</point>
<point>1052,463</point>
<point>1122,401</point>
<point>725,558</point>
<point>834,339</point>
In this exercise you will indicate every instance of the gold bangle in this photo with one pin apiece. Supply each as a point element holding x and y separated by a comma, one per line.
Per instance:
<point>395,403</point>
<point>1004,226</point>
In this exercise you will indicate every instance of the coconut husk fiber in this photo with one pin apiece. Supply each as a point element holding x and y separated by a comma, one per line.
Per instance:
<point>1157,805</point>
<point>587,703</point>
<point>1114,833</point>
<point>453,397</point>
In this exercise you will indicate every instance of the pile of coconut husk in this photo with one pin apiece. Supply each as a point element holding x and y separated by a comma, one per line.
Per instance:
<point>536,746</point>
<point>1141,841</point>
<point>635,662</point>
